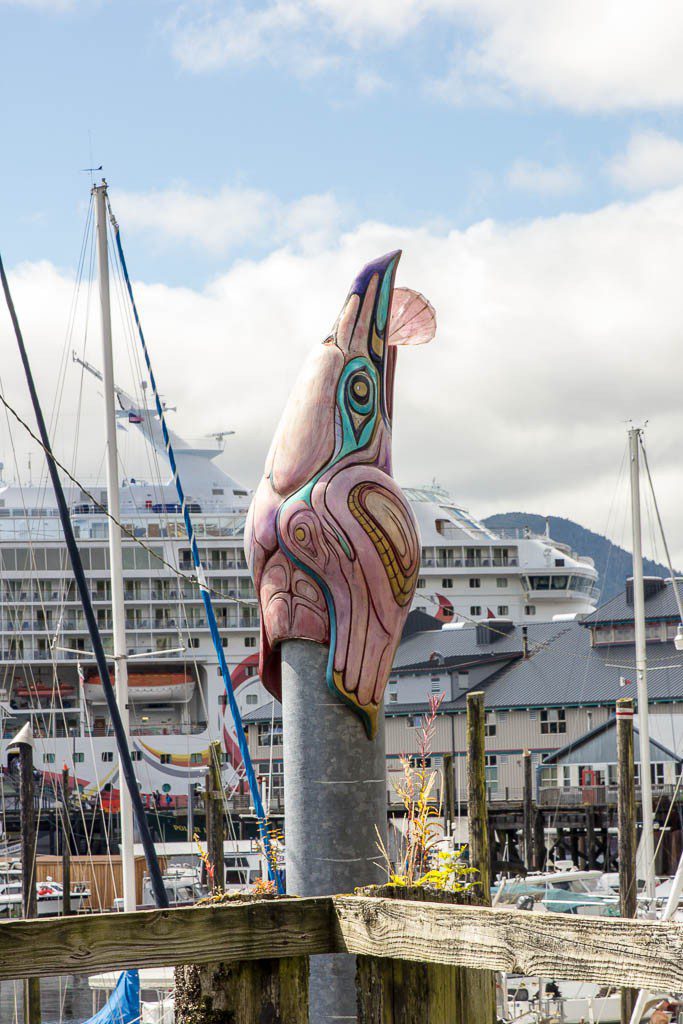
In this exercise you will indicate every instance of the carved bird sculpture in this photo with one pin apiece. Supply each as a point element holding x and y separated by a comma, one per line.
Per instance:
<point>331,542</point>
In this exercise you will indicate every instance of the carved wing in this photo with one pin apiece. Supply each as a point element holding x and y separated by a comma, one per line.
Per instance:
<point>359,541</point>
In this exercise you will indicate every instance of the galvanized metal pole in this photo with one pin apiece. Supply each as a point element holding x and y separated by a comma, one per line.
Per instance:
<point>647,839</point>
<point>118,612</point>
<point>335,808</point>
<point>528,811</point>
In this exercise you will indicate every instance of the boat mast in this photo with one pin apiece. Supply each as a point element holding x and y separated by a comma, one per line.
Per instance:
<point>641,666</point>
<point>115,559</point>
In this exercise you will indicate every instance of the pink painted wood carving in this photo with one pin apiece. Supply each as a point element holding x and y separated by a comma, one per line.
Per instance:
<point>331,542</point>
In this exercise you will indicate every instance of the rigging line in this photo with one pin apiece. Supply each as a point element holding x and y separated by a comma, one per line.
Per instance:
<point>674,580</point>
<point>126,530</point>
<point>242,743</point>
<point>100,656</point>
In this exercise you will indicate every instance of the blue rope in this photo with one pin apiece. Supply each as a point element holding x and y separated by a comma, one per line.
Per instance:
<point>273,874</point>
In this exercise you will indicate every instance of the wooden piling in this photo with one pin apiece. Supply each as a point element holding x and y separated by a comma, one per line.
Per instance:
<point>448,793</point>
<point>29,897</point>
<point>215,821</point>
<point>393,991</point>
<point>477,814</point>
<point>528,811</point>
<point>478,990</point>
<point>247,991</point>
<point>628,886</point>
<point>66,845</point>
<point>539,840</point>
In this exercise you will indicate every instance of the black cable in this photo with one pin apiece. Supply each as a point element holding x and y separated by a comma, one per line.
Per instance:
<point>160,897</point>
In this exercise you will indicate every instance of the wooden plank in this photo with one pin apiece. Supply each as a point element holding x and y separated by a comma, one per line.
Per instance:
<point>641,954</point>
<point>87,944</point>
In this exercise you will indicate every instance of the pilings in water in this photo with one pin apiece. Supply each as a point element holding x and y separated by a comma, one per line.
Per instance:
<point>215,820</point>
<point>335,807</point>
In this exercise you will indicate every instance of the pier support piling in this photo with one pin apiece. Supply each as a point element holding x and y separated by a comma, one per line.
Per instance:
<point>628,888</point>
<point>335,807</point>
<point>29,897</point>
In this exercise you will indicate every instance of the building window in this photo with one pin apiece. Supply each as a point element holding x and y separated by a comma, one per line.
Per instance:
<point>393,698</point>
<point>475,582</point>
<point>553,721</point>
<point>250,641</point>
<point>491,772</point>
<point>447,584</point>
<point>48,758</point>
<point>549,775</point>
<point>107,755</point>
<point>252,698</point>
<point>135,755</point>
<point>267,736</point>
<point>657,773</point>
<point>436,684</point>
<point>475,610</point>
<point>463,680</point>
<point>414,721</point>
<point>501,582</point>
<point>503,609</point>
<point>529,609</point>
<point>421,583</point>
<point>490,726</point>
<point>79,757</point>
<point>417,761</point>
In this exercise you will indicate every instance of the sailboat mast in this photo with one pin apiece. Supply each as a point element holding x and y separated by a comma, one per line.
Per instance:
<point>115,557</point>
<point>641,666</point>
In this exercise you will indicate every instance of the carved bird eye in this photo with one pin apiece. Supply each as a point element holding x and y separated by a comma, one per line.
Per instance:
<point>361,392</point>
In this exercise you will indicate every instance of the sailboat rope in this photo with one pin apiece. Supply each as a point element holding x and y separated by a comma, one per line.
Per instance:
<point>240,734</point>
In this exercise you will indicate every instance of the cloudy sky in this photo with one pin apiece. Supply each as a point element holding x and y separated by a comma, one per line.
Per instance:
<point>527,156</point>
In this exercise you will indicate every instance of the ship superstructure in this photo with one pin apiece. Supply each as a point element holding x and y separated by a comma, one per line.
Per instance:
<point>177,696</point>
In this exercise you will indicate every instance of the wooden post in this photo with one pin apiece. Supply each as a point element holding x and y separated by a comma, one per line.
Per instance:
<point>66,845</point>
<point>539,840</point>
<point>477,814</point>
<point>247,991</point>
<point>528,810</point>
<point>591,859</point>
<point>392,991</point>
<point>448,793</point>
<point>478,988</point>
<point>215,832</point>
<point>29,897</point>
<point>627,829</point>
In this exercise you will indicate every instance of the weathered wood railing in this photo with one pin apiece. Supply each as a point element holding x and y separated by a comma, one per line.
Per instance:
<point>611,952</point>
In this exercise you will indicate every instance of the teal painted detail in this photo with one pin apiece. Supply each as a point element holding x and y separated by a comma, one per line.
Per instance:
<point>345,547</point>
<point>384,295</point>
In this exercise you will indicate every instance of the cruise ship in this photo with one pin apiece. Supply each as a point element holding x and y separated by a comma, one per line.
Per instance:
<point>177,696</point>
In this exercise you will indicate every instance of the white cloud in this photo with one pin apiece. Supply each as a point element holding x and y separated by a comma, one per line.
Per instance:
<point>650,160</point>
<point>551,334</point>
<point>231,217</point>
<point>578,54</point>
<point>529,176</point>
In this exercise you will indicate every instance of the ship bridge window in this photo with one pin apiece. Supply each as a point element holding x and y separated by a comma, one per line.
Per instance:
<point>217,490</point>
<point>560,582</point>
<point>539,582</point>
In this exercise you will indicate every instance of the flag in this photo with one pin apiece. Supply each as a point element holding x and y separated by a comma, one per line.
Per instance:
<point>623,681</point>
<point>134,417</point>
